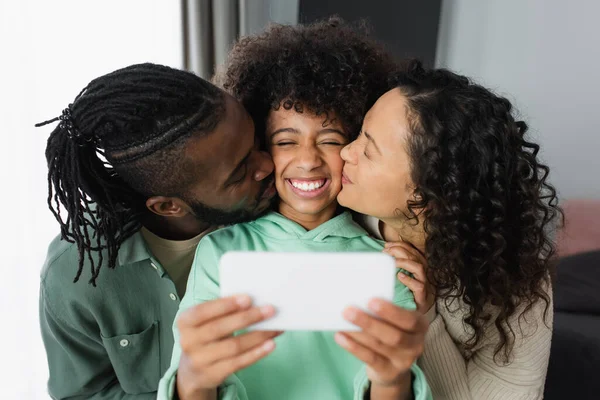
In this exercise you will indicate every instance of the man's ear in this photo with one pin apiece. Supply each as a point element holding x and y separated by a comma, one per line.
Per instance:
<point>167,206</point>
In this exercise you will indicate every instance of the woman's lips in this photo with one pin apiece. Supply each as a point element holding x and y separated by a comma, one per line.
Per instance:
<point>345,180</point>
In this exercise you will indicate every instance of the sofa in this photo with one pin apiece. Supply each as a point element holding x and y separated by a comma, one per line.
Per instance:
<point>574,368</point>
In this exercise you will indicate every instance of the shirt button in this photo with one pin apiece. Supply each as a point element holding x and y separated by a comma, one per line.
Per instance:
<point>154,266</point>
<point>124,343</point>
<point>173,297</point>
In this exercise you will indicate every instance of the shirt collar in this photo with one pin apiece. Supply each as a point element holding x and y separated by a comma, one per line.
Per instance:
<point>341,226</point>
<point>133,250</point>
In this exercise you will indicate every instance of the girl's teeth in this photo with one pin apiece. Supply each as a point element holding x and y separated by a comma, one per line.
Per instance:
<point>307,187</point>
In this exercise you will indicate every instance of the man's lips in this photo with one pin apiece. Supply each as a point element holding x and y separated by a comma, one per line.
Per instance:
<point>269,190</point>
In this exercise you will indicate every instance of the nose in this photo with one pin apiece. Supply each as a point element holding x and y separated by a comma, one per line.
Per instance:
<point>308,158</point>
<point>348,153</point>
<point>263,165</point>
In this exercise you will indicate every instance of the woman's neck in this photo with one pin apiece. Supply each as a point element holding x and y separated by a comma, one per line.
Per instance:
<point>308,221</point>
<point>394,230</point>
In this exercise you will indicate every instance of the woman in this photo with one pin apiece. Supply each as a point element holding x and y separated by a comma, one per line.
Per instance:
<point>307,88</point>
<point>452,178</point>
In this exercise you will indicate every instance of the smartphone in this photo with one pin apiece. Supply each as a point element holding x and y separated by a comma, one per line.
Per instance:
<point>308,290</point>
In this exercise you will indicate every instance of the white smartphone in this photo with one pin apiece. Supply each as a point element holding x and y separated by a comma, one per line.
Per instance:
<point>308,290</point>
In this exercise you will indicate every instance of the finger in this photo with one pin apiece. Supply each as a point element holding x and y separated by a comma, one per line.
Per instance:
<point>401,243</point>
<point>400,252</point>
<point>370,342</point>
<point>381,330</point>
<point>405,320</point>
<point>392,243</point>
<point>227,367</point>
<point>401,357</point>
<point>416,287</point>
<point>227,325</point>
<point>202,313</point>
<point>404,253</point>
<point>236,345</point>
<point>406,247</point>
<point>413,267</point>
<point>366,355</point>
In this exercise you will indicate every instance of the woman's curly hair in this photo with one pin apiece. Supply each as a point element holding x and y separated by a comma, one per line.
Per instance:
<point>487,205</point>
<point>328,66</point>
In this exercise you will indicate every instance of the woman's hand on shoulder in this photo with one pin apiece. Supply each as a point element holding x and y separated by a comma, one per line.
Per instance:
<point>411,260</point>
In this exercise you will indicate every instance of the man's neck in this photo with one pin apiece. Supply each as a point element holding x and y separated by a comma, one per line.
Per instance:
<point>173,228</point>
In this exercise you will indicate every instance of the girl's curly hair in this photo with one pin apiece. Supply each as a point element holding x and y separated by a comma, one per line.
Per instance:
<point>487,205</point>
<point>328,66</point>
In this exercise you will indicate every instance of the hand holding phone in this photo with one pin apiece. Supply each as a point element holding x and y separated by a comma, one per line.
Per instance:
<point>210,352</point>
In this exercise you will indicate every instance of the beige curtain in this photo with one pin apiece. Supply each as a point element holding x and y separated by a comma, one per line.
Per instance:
<point>210,27</point>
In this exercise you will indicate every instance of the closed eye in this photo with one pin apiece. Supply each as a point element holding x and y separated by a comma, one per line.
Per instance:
<point>243,172</point>
<point>361,135</point>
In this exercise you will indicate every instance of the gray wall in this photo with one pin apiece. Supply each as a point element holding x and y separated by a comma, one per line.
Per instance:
<point>545,55</point>
<point>257,14</point>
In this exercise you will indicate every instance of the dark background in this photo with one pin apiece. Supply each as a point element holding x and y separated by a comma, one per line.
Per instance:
<point>408,28</point>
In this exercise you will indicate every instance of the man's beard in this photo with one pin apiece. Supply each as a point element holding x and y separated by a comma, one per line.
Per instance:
<point>217,216</point>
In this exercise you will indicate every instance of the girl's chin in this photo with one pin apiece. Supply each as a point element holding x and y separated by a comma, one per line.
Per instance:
<point>307,208</point>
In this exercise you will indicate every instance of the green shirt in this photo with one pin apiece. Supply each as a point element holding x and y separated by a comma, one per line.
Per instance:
<point>304,365</point>
<point>113,341</point>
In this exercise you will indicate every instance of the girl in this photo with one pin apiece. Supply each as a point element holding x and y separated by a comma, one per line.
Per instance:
<point>307,88</point>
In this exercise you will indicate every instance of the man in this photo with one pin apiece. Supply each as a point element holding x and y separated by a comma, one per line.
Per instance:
<point>145,161</point>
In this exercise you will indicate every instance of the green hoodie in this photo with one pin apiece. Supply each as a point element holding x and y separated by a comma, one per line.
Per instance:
<point>304,365</point>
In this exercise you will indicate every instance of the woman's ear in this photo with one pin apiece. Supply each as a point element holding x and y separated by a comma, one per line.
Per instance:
<point>418,211</point>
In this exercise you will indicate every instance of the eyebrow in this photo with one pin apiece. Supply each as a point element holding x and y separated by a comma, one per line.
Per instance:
<point>370,139</point>
<point>237,168</point>
<point>289,130</point>
<point>297,132</point>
